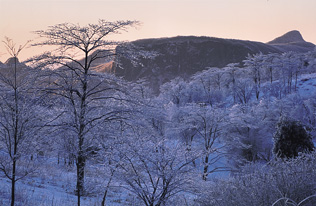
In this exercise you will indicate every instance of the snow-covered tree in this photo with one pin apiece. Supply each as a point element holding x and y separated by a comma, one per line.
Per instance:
<point>175,91</point>
<point>151,165</point>
<point>207,124</point>
<point>90,98</point>
<point>232,70</point>
<point>255,65</point>
<point>279,183</point>
<point>244,91</point>
<point>155,169</point>
<point>250,132</point>
<point>20,118</point>
<point>206,86</point>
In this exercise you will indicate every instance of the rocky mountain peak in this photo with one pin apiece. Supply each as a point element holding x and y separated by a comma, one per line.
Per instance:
<point>290,37</point>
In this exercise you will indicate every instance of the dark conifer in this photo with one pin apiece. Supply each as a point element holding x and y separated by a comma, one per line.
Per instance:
<point>291,138</point>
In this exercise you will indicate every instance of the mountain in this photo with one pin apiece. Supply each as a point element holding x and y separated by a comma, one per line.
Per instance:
<point>289,37</point>
<point>183,56</point>
<point>292,41</point>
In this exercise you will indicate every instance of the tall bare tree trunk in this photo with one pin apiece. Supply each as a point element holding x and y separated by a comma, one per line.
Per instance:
<point>81,159</point>
<point>15,143</point>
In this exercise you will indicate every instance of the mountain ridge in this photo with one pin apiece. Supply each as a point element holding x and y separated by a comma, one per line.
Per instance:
<point>182,56</point>
<point>292,41</point>
<point>289,37</point>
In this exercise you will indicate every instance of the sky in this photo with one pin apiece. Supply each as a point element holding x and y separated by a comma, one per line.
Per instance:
<point>255,20</point>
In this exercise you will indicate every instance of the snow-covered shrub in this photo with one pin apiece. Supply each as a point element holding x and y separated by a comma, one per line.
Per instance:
<point>263,185</point>
<point>291,138</point>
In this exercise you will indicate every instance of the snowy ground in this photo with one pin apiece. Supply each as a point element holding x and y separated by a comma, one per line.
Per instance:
<point>307,85</point>
<point>45,189</point>
<point>54,185</point>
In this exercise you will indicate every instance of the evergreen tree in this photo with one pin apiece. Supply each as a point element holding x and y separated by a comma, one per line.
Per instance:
<point>291,138</point>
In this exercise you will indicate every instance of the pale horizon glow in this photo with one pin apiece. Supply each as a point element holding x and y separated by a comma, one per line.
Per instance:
<point>255,20</point>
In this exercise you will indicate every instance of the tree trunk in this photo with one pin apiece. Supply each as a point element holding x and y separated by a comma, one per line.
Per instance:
<point>15,143</point>
<point>205,168</point>
<point>13,182</point>
<point>81,161</point>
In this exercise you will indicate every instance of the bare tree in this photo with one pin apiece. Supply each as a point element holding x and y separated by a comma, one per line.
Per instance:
<point>154,167</point>
<point>208,83</point>
<point>92,98</point>
<point>19,123</point>
<point>232,71</point>
<point>254,63</point>
<point>244,91</point>
<point>209,123</point>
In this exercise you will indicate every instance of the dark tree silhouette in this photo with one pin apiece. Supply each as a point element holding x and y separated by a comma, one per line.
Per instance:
<point>291,138</point>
